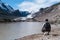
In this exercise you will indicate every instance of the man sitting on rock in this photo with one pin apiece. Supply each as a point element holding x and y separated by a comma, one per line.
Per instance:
<point>46,27</point>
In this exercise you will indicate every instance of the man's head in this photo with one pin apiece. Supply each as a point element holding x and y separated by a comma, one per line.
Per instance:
<point>46,20</point>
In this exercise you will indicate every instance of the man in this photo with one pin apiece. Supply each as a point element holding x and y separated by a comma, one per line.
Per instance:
<point>46,27</point>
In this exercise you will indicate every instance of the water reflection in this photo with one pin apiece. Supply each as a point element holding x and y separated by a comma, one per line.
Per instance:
<point>11,31</point>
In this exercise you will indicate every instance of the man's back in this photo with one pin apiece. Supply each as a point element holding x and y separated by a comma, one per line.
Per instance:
<point>46,27</point>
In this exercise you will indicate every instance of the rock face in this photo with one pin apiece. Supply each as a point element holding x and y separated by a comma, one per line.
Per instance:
<point>52,13</point>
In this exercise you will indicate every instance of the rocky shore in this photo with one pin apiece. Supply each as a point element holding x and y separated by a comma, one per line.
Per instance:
<point>54,35</point>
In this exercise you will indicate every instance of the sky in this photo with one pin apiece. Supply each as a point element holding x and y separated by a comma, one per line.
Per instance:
<point>30,5</point>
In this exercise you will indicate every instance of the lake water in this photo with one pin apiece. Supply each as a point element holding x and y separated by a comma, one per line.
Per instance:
<point>11,31</point>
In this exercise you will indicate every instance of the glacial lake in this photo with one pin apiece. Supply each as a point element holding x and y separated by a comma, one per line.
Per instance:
<point>11,31</point>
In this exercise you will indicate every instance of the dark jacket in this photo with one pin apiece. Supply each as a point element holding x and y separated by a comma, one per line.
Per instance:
<point>46,27</point>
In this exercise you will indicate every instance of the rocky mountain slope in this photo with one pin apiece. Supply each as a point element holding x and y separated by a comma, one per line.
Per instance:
<point>52,13</point>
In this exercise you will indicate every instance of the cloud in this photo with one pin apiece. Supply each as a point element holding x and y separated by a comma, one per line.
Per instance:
<point>40,1</point>
<point>28,6</point>
<point>54,0</point>
<point>35,5</point>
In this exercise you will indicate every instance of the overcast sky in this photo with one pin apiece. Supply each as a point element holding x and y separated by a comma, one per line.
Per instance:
<point>30,5</point>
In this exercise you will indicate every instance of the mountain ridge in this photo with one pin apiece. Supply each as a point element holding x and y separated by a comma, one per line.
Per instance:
<point>52,13</point>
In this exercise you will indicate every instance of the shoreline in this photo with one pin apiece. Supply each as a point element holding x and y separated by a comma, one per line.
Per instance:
<point>54,35</point>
